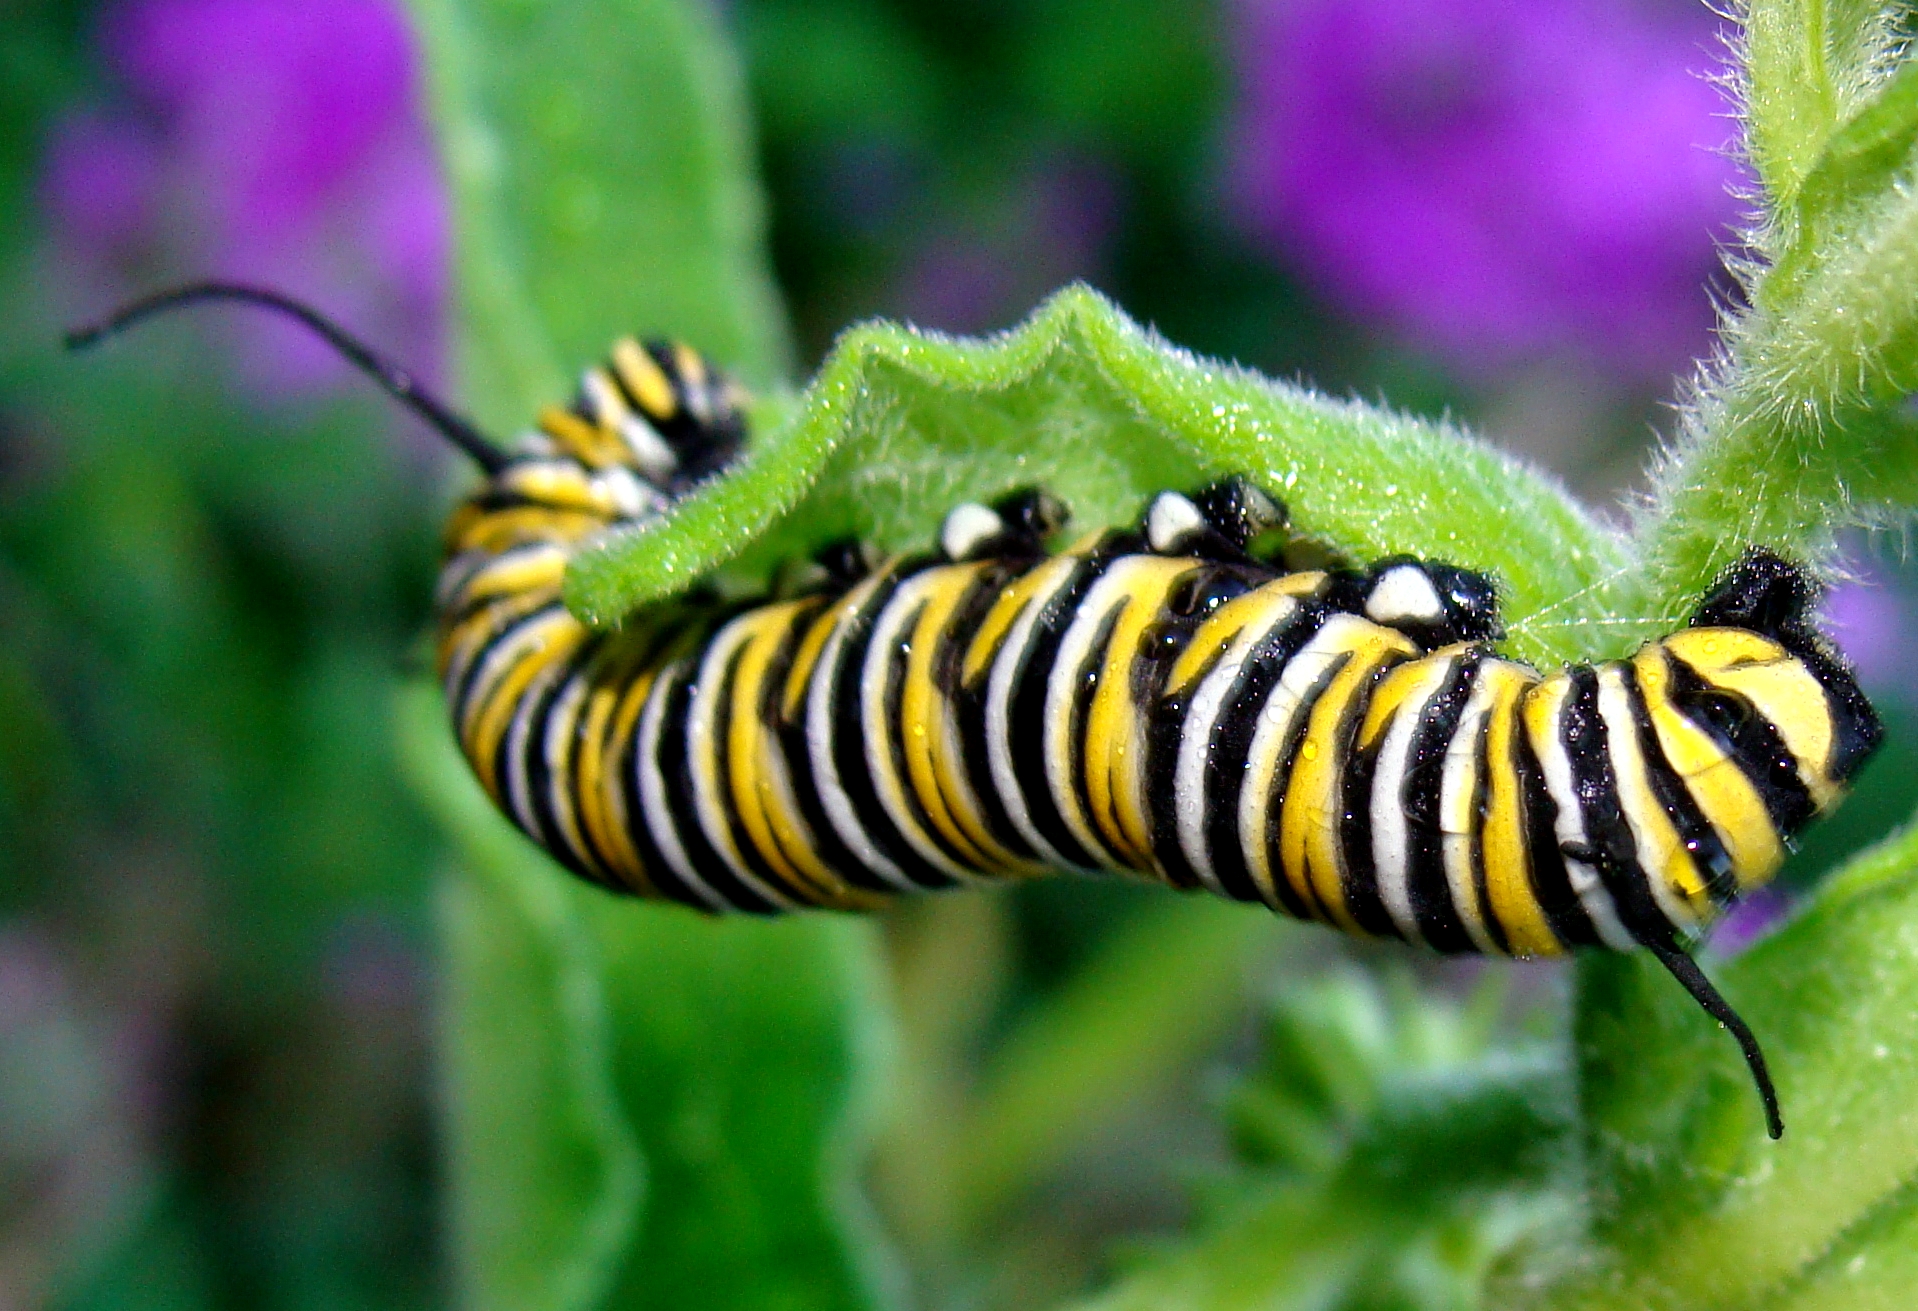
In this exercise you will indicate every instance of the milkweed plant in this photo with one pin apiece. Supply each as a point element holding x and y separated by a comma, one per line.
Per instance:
<point>647,1109</point>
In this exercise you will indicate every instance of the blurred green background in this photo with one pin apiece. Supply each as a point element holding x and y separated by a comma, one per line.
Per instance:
<point>217,549</point>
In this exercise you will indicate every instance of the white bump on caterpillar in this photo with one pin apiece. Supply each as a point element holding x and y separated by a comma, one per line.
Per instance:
<point>1171,520</point>
<point>967,528</point>
<point>1404,594</point>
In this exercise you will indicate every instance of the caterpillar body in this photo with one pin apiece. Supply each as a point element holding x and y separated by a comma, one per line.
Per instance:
<point>1341,745</point>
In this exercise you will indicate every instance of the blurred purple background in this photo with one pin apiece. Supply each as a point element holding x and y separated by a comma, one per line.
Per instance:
<point>1495,180</point>
<point>269,142</point>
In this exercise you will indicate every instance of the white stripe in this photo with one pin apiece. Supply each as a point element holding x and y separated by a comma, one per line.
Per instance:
<point>517,782</point>
<point>656,812</point>
<point>875,678</point>
<point>1304,674</point>
<point>1458,791</point>
<point>819,748</point>
<point>1556,764</point>
<point>1628,766</point>
<point>1064,682</point>
<point>1007,664</point>
<point>703,731</point>
<point>1195,741</point>
<point>533,629</point>
<point>1391,834</point>
<point>565,712</point>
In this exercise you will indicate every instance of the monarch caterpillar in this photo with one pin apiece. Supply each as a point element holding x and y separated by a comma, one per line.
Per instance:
<point>1342,745</point>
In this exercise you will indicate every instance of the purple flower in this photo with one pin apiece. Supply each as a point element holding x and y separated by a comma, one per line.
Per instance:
<point>271,141</point>
<point>1495,180</point>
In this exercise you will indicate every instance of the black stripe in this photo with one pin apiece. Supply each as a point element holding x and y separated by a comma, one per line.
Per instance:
<point>1750,740</point>
<point>1426,884</point>
<point>1083,688</point>
<point>1226,763</point>
<point>1481,791</point>
<point>1165,732</point>
<point>1027,711</point>
<point>1361,875</point>
<point>658,869</point>
<point>683,805</point>
<point>1551,880</point>
<point>1701,840</point>
<point>547,830</point>
<point>1610,848</point>
<point>458,697</point>
<point>969,703</point>
<point>761,868</point>
<point>893,696</point>
<point>849,746</point>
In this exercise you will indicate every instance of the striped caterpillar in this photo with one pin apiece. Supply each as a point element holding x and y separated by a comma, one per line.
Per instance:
<point>1342,745</point>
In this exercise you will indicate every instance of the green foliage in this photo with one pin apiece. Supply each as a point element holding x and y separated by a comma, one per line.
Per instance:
<point>642,1105</point>
<point>1691,1205</point>
<point>1393,1156</point>
<point>599,161</point>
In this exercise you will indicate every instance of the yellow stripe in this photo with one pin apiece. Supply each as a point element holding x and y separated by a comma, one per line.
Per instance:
<point>756,769</point>
<point>1661,852</point>
<point>1114,754</point>
<point>590,445</point>
<point>1005,611</point>
<point>545,569</point>
<point>928,735</point>
<point>463,640</point>
<point>745,764</point>
<point>500,530</point>
<point>557,740</point>
<point>1721,789</point>
<point>1215,634</point>
<point>558,485</point>
<point>644,378</point>
<point>1309,849</point>
<point>1779,685</point>
<point>600,751</point>
<point>799,676</point>
<point>563,634</point>
<point>1502,845</point>
<point>691,366</point>
<point>1391,693</point>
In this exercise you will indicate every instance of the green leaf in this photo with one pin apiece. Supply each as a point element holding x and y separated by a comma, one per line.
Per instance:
<point>1429,1168</point>
<point>1861,162</point>
<point>1158,996</point>
<point>1807,67</point>
<point>1693,1206</point>
<point>1797,429</point>
<point>644,1108</point>
<point>601,169</point>
<point>901,425</point>
<point>546,1169</point>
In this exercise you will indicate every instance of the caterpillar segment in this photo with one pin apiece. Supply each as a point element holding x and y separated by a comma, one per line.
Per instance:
<point>1340,744</point>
